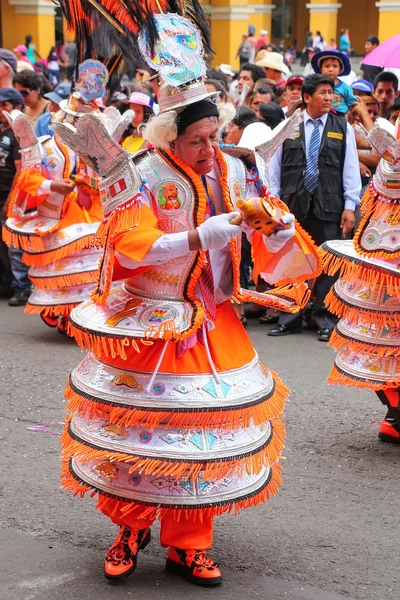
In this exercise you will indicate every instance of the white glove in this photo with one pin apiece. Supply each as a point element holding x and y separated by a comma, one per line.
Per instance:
<point>277,240</point>
<point>216,232</point>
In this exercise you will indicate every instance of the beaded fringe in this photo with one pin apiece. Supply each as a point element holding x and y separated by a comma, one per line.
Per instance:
<point>115,504</point>
<point>265,410</point>
<point>252,463</point>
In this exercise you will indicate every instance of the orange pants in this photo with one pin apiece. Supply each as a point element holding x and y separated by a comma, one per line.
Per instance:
<point>185,534</point>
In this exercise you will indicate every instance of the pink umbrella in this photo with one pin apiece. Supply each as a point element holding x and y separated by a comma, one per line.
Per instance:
<point>386,55</point>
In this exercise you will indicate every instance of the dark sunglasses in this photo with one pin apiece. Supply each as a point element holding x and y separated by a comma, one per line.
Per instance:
<point>25,93</point>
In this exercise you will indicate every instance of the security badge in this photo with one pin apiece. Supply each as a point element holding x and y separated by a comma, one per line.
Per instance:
<point>334,134</point>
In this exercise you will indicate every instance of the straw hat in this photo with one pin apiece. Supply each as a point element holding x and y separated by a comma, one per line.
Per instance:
<point>273,60</point>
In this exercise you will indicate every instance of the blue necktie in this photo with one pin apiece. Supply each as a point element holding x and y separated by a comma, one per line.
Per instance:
<point>311,176</point>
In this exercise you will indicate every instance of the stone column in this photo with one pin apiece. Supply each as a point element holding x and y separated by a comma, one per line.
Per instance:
<point>229,21</point>
<point>389,19</point>
<point>260,15</point>
<point>29,17</point>
<point>323,17</point>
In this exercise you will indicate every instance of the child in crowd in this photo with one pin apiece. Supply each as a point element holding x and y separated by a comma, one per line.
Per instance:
<point>333,64</point>
<point>14,282</point>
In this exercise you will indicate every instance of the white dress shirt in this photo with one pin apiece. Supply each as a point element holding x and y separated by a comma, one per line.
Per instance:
<point>351,172</point>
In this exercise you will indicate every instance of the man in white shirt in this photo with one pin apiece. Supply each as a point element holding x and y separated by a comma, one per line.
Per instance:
<point>317,175</point>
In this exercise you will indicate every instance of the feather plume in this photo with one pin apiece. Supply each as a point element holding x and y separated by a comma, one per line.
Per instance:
<point>104,28</point>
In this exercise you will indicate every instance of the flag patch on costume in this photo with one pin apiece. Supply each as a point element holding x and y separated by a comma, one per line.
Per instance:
<point>334,134</point>
<point>118,186</point>
<point>393,184</point>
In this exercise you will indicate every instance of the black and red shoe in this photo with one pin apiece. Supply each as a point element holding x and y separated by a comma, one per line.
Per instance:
<point>121,559</point>
<point>194,565</point>
<point>51,321</point>
<point>387,433</point>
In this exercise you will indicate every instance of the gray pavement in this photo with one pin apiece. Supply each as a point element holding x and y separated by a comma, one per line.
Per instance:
<point>331,532</point>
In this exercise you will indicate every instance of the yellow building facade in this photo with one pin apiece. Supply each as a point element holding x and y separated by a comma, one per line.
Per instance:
<point>229,20</point>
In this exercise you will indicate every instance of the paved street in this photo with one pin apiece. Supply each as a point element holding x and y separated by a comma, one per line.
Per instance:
<point>331,533</point>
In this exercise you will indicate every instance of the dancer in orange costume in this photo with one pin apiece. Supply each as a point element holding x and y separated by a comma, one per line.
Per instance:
<point>366,297</point>
<point>57,236</point>
<point>173,415</point>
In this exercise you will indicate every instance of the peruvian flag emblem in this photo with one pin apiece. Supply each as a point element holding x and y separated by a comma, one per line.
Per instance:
<point>118,186</point>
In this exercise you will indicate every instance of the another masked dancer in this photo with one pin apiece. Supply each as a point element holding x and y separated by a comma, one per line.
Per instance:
<point>367,295</point>
<point>56,237</point>
<point>174,416</point>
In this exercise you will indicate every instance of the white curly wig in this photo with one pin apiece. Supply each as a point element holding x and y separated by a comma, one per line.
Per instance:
<point>162,129</point>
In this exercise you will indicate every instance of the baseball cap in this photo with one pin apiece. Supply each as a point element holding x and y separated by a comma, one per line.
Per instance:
<point>9,58</point>
<point>60,92</point>
<point>295,79</point>
<point>363,85</point>
<point>140,98</point>
<point>11,95</point>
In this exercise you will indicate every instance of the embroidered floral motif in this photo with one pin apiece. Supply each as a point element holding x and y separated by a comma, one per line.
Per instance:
<point>162,277</point>
<point>146,437</point>
<point>158,389</point>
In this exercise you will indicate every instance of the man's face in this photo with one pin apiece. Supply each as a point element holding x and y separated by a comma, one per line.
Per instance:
<point>54,107</point>
<point>245,78</point>
<point>368,47</point>
<point>259,99</point>
<point>273,74</point>
<point>292,93</point>
<point>385,94</point>
<point>393,117</point>
<point>6,107</point>
<point>4,69</point>
<point>331,67</point>
<point>198,144</point>
<point>320,102</point>
<point>372,107</point>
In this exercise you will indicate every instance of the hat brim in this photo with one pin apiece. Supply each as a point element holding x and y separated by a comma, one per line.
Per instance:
<point>342,58</point>
<point>64,106</point>
<point>190,101</point>
<point>53,97</point>
<point>267,65</point>
<point>299,80</point>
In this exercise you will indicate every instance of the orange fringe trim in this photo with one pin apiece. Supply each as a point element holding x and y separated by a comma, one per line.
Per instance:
<point>61,281</point>
<point>356,315</point>
<point>339,341</point>
<point>116,505</point>
<point>373,275</point>
<point>45,258</point>
<point>180,468</point>
<point>266,410</point>
<point>123,218</point>
<point>62,310</point>
<point>336,377</point>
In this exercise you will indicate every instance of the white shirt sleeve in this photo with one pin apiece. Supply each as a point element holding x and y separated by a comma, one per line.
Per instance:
<point>166,247</point>
<point>45,187</point>
<point>351,172</point>
<point>274,172</point>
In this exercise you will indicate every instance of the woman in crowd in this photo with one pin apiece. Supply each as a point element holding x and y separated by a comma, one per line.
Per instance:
<point>142,104</point>
<point>53,64</point>
<point>31,52</point>
<point>31,86</point>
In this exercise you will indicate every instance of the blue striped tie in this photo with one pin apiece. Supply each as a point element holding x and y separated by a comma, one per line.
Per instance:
<point>311,176</point>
